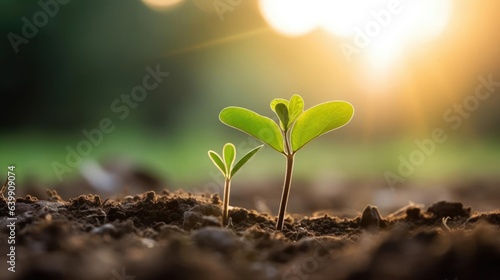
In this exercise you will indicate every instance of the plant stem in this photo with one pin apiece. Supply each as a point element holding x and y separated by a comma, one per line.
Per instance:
<point>286,191</point>
<point>225,213</point>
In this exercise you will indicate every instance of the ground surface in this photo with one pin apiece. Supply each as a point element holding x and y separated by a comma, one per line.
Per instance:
<point>176,235</point>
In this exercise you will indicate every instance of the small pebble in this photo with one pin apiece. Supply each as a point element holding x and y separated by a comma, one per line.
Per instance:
<point>217,239</point>
<point>104,229</point>
<point>150,197</point>
<point>191,219</point>
<point>370,217</point>
<point>207,210</point>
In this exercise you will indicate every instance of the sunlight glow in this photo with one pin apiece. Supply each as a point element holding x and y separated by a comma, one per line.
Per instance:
<point>289,17</point>
<point>380,30</point>
<point>339,16</point>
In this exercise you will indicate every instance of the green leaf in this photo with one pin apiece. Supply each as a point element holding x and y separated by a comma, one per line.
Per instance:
<point>282,112</point>
<point>277,101</point>
<point>295,108</point>
<point>229,154</point>
<point>217,161</point>
<point>244,159</point>
<point>260,127</point>
<point>319,120</point>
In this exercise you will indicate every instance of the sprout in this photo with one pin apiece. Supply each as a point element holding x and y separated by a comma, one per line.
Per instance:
<point>225,165</point>
<point>296,128</point>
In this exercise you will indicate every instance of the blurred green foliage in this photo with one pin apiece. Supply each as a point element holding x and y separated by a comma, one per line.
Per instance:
<point>66,77</point>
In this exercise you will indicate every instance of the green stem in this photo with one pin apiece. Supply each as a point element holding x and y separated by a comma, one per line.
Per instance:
<point>288,181</point>
<point>225,213</point>
<point>286,191</point>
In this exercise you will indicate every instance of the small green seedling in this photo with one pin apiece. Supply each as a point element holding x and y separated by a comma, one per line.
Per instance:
<point>296,128</point>
<point>225,165</point>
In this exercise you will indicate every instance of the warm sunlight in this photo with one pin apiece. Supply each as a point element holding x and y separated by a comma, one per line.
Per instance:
<point>291,18</point>
<point>379,30</point>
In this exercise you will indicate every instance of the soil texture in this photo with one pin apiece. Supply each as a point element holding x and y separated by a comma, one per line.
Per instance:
<point>178,235</point>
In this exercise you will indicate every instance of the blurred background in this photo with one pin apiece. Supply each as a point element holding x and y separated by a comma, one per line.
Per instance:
<point>408,68</point>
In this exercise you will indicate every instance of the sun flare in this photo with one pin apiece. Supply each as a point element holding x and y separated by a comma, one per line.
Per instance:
<point>380,30</point>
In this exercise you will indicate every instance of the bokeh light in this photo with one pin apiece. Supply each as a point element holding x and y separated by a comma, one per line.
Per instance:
<point>290,17</point>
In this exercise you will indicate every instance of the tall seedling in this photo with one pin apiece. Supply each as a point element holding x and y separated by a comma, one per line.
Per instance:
<point>296,128</point>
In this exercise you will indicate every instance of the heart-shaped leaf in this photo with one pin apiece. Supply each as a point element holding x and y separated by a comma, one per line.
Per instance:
<point>244,160</point>
<point>277,101</point>
<point>260,127</point>
<point>217,161</point>
<point>319,120</point>
<point>229,154</point>
<point>295,108</point>
<point>282,112</point>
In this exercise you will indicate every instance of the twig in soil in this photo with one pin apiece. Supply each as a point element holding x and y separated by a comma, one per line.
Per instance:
<point>104,202</point>
<point>402,210</point>
<point>229,223</point>
<point>445,220</point>
<point>4,187</point>
<point>96,216</point>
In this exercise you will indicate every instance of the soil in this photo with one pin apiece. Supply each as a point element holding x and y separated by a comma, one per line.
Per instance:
<point>178,235</point>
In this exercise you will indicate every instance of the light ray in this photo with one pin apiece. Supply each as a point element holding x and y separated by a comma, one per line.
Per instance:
<point>216,42</point>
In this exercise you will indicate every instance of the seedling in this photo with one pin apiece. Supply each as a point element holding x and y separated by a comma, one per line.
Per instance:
<point>225,165</point>
<point>296,128</point>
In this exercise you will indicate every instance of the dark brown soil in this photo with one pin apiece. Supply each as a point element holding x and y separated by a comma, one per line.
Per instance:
<point>176,235</point>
